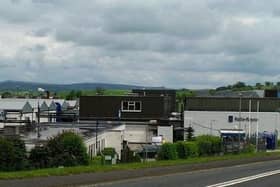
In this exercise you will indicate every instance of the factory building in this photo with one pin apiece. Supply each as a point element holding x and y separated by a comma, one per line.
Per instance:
<point>208,115</point>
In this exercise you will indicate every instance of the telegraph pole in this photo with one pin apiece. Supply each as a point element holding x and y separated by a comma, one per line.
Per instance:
<point>38,121</point>
<point>257,133</point>
<point>239,126</point>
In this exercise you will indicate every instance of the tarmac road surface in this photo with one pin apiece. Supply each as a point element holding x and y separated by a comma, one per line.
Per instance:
<point>266,174</point>
<point>257,171</point>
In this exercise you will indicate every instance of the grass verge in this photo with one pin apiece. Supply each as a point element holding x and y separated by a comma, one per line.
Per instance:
<point>106,168</point>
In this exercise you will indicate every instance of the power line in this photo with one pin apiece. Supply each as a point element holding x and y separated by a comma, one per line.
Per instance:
<point>202,126</point>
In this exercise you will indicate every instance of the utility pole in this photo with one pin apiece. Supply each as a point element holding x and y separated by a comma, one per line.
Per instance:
<point>239,126</point>
<point>257,135</point>
<point>250,121</point>
<point>38,121</point>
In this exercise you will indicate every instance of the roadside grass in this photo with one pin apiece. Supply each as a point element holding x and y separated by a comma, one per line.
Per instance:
<point>97,167</point>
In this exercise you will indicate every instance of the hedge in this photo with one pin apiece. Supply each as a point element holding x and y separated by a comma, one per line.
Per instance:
<point>168,151</point>
<point>109,151</point>
<point>39,157</point>
<point>187,149</point>
<point>208,145</point>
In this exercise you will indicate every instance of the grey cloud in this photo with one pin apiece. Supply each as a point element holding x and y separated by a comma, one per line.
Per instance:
<point>153,42</point>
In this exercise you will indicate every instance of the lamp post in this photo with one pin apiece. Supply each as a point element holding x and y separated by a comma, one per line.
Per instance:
<point>239,125</point>
<point>250,121</point>
<point>257,129</point>
<point>38,112</point>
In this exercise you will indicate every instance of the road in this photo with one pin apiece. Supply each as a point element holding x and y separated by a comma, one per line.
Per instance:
<point>256,174</point>
<point>263,171</point>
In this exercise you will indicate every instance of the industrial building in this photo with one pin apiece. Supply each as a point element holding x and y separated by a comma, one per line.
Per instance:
<point>144,113</point>
<point>140,105</point>
<point>17,114</point>
<point>208,115</point>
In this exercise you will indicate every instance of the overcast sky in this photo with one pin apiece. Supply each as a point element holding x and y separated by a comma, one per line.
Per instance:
<point>172,43</point>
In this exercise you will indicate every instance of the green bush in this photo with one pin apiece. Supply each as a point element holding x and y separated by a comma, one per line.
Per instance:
<point>250,148</point>
<point>7,155</point>
<point>109,151</point>
<point>180,148</point>
<point>208,145</point>
<point>128,156</point>
<point>191,149</point>
<point>186,149</point>
<point>97,160</point>
<point>21,161</point>
<point>168,151</point>
<point>67,149</point>
<point>39,157</point>
<point>12,154</point>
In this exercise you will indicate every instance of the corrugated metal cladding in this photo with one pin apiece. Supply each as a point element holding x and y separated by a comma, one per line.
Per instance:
<point>231,104</point>
<point>153,107</point>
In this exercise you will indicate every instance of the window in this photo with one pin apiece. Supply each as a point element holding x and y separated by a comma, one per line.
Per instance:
<point>131,106</point>
<point>230,119</point>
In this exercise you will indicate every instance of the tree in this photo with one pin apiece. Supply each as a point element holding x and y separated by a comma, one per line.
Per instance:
<point>6,95</point>
<point>100,91</point>
<point>67,149</point>
<point>259,85</point>
<point>39,157</point>
<point>71,95</point>
<point>268,84</point>
<point>12,154</point>
<point>7,155</point>
<point>20,153</point>
<point>190,133</point>
<point>239,85</point>
<point>79,94</point>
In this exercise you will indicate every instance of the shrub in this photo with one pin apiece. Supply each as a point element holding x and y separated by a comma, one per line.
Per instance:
<point>249,148</point>
<point>39,157</point>
<point>216,144</point>
<point>12,154</point>
<point>7,155</point>
<point>67,149</point>
<point>109,151</point>
<point>97,160</point>
<point>186,149</point>
<point>208,145</point>
<point>168,152</point>
<point>20,153</point>
<point>128,156</point>
<point>180,148</point>
<point>191,149</point>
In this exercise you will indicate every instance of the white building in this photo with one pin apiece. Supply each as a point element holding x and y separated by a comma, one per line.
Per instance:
<point>210,122</point>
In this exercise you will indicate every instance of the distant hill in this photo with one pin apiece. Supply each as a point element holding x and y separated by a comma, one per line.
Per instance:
<point>33,86</point>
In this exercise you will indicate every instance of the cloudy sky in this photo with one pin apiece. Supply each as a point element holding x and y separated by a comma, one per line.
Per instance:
<point>172,43</point>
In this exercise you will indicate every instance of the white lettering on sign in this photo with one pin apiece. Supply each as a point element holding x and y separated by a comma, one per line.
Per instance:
<point>245,119</point>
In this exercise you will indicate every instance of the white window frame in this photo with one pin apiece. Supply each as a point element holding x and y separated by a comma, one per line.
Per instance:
<point>131,104</point>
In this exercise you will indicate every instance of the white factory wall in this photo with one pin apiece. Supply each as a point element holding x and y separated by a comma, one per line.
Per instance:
<point>106,139</point>
<point>204,121</point>
<point>137,134</point>
<point>166,132</point>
